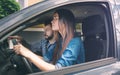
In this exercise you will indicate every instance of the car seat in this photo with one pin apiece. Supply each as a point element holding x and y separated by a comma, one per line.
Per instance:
<point>93,29</point>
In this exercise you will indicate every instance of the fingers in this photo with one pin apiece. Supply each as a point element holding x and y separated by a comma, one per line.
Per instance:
<point>19,39</point>
<point>20,49</point>
<point>15,37</point>
<point>16,48</point>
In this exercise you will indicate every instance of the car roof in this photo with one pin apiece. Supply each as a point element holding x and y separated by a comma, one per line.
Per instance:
<point>27,13</point>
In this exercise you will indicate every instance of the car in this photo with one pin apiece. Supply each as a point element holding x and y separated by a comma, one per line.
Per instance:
<point>97,24</point>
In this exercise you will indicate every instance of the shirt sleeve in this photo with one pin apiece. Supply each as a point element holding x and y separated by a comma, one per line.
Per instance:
<point>70,55</point>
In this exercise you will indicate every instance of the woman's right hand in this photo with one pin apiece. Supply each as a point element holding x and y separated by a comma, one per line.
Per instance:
<point>20,49</point>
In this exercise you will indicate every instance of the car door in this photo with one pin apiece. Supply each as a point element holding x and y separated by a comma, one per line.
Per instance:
<point>116,13</point>
<point>94,24</point>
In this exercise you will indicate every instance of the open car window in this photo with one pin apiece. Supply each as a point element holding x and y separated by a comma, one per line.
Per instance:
<point>93,26</point>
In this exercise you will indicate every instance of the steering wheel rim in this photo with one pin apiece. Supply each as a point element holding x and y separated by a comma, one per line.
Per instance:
<point>15,61</point>
<point>27,64</point>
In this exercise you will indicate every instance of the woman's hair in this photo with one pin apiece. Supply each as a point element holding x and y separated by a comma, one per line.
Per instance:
<point>67,19</point>
<point>48,22</point>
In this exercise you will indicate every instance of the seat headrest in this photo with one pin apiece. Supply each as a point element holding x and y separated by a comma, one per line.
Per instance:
<point>93,25</point>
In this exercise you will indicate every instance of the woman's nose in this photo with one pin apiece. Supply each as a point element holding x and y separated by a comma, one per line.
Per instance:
<point>52,21</point>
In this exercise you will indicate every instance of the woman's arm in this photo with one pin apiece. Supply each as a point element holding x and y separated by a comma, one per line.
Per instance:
<point>35,59</point>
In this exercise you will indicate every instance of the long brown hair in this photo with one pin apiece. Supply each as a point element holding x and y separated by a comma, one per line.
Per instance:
<point>67,19</point>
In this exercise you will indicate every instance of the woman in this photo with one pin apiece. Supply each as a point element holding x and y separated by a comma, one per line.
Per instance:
<point>71,50</point>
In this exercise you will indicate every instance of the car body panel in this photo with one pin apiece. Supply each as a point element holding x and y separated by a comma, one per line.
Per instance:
<point>98,67</point>
<point>26,13</point>
<point>15,20</point>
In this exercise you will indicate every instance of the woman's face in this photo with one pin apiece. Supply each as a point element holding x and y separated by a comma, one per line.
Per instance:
<point>55,22</point>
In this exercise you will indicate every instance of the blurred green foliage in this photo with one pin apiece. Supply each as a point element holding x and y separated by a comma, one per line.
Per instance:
<point>8,7</point>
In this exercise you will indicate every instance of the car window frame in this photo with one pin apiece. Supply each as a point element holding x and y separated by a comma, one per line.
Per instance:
<point>16,24</point>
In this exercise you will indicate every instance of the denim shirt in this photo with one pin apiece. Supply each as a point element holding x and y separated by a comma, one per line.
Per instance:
<point>42,46</point>
<point>73,54</point>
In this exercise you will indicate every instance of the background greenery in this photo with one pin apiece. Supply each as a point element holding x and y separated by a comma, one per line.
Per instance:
<point>8,7</point>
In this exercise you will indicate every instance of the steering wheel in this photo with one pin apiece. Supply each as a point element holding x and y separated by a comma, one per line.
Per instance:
<point>16,60</point>
<point>28,64</point>
<point>19,62</point>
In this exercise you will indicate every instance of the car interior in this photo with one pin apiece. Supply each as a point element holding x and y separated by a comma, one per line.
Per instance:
<point>91,26</point>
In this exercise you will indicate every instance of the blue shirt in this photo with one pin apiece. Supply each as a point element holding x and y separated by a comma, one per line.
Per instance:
<point>73,54</point>
<point>42,46</point>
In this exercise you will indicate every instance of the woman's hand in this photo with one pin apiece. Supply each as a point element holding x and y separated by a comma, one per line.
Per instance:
<point>19,38</point>
<point>20,49</point>
<point>35,59</point>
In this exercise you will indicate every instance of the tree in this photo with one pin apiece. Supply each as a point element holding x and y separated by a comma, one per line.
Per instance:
<point>8,7</point>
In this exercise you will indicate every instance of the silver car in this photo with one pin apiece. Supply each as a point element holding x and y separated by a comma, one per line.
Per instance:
<point>97,23</point>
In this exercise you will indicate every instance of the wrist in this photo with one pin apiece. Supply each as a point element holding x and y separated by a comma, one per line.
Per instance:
<point>28,54</point>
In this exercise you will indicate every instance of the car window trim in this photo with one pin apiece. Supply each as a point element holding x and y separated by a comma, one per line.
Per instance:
<point>80,67</point>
